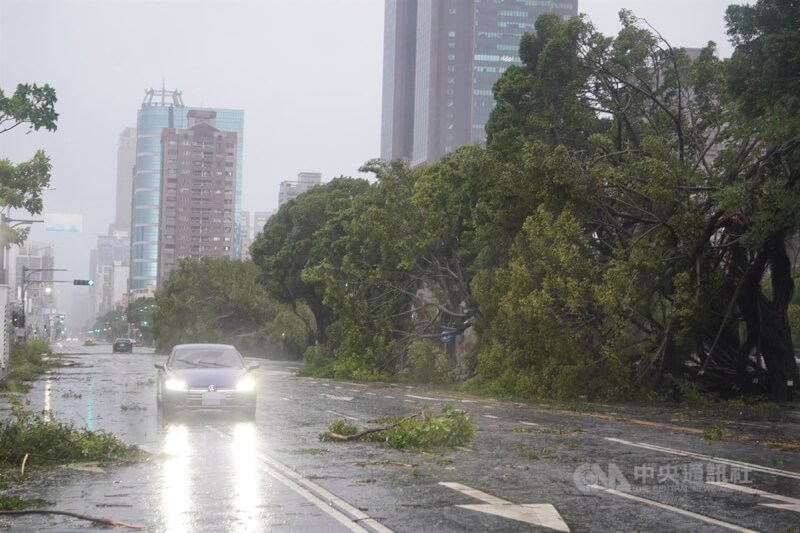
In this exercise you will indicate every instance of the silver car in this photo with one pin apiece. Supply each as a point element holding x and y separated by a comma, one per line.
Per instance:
<point>206,376</point>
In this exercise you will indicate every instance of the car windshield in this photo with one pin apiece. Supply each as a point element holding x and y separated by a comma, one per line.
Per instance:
<point>206,357</point>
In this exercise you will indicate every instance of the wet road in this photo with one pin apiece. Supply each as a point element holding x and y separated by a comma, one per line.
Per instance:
<point>528,469</point>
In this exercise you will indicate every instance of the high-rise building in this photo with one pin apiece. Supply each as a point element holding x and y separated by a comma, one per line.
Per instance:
<point>126,161</point>
<point>198,177</point>
<point>452,52</point>
<point>259,220</point>
<point>246,232</point>
<point>293,188</point>
<point>165,109</point>
<point>110,272</point>
<point>34,272</point>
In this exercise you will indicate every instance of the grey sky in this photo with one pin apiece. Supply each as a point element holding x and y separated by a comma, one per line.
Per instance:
<point>307,73</point>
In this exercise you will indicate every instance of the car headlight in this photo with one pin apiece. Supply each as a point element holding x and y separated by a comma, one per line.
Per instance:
<point>175,384</point>
<point>246,384</point>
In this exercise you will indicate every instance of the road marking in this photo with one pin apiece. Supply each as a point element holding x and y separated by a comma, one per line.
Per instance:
<point>430,399</point>
<point>527,423</point>
<point>337,398</point>
<point>538,514</point>
<point>491,416</point>
<point>678,510</point>
<point>722,460</point>
<point>371,394</point>
<point>342,415</point>
<point>322,498</point>
<point>792,504</point>
<point>389,397</point>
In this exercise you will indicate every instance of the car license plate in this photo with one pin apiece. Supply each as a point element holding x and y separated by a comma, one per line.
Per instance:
<point>212,398</point>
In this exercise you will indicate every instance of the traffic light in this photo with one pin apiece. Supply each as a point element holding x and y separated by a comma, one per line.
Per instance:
<point>18,319</point>
<point>88,282</point>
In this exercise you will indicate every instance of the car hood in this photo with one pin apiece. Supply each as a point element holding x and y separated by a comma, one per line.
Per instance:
<point>203,377</point>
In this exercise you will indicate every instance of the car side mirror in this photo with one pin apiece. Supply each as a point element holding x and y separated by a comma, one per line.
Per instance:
<point>253,366</point>
<point>159,366</point>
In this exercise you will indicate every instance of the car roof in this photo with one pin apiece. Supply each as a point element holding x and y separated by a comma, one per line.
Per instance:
<point>121,339</point>
<point>200,346</point>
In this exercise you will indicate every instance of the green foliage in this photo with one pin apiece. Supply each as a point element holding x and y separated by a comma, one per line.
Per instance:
<point>623,234</point>
<point>422,432</point>
<point>213,300</point>
<point>48,442</point>
<point>452,428</point>
<point>21,188</point>
<point>30,104</point>
<point>301,237</point>
<point>26,361</point>
<point>427,363</point>
<point>688,391</point>
<point>714,433</point>
<point>17,503</point>
<point>340,427</point>
<point>767,46</point>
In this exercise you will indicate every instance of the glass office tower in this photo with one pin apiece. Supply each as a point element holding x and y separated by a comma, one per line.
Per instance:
<point>441,60</point>
<point>165,109</point>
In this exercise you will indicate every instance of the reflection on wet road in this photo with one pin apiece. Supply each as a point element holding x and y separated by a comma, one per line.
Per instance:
<point>211,471</point>
<point>199,465</point>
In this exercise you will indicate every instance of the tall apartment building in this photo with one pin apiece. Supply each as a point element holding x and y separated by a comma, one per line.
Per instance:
<point>126,161</point>
<point>197,198</point>
<point>165,109</point>
<point>110,272</point>
<point>293,188</point>
<point>259,220</point>
<point>441,59</point>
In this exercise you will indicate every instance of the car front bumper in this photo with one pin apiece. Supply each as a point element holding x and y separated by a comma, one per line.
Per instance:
<point>203,398</point>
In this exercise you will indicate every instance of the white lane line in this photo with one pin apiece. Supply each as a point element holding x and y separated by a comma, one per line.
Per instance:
<point>337,398</point>
<point>527,423</point>
<point>721,460</point>
<point>491,416</point>
<point>323,499</point>
<point>792,504</point>
<point>678,510</point>
<point>343,415</point>
<point>371,394</point>
<point>430,399</point>
<point>410,401</point>
<point>389,397</point>
<point>538,514</point>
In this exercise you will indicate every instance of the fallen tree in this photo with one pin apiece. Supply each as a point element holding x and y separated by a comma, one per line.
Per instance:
<point>420,431</point>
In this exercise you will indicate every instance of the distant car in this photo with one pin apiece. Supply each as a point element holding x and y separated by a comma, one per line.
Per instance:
<point>123,345</point>
<point>206,376</point>
<point>88,342</point>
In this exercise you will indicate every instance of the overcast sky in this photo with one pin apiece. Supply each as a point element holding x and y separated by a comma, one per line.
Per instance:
<point>307,74</point>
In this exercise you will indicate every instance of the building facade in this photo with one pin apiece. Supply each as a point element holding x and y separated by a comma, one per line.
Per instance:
<point>165,109</point>
<point>126,162</point>
<point>259,220</point>
<point>34,269</point>
<point>453,51</point>
<point>291,189</point>
<point>197,197</point>
<point>110,273</point>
